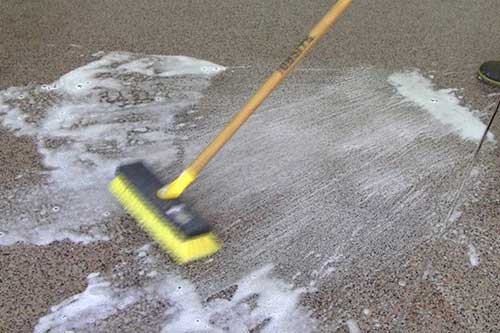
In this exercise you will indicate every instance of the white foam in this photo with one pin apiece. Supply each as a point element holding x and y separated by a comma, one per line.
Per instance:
<point>473,255</point>
<point>442,104</point>
<point>353,326</point>
<point>99,301</point>
<point>455,216</point>
<point>118,108</point>
<point>276,305</point>
<point>259,301</point>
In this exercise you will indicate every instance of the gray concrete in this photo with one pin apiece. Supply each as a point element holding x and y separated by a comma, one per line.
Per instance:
<point>287,185</point>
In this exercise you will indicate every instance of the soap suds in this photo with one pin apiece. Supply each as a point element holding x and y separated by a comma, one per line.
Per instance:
<point>442,104</point>
<point>116,109</point>
<point>275,309</point>
<point>97,302</point>
<point>259,302</point>
<point>473,255</point>
<point>353,326</point>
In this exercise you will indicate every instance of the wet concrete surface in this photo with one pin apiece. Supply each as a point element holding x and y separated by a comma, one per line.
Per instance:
<point>412,274</point>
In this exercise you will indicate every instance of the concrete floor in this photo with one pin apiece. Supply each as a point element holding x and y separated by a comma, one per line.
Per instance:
<point>297,192</point>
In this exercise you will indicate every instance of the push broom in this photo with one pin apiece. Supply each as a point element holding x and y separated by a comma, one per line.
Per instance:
<point>157,207</point>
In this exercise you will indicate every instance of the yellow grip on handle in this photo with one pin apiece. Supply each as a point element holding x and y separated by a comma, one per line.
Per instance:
<point>175,189</point>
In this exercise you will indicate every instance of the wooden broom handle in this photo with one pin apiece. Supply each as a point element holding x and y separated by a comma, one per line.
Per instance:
<point>174,189</point>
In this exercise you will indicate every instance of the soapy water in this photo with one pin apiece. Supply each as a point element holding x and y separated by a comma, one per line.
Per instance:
<point>82,145</point>
<point>258,302</point>
<point>353,326</point>
<point>442,104</point>
<point>122,107</point>
<point>113,110</point>
<point>473,255</point>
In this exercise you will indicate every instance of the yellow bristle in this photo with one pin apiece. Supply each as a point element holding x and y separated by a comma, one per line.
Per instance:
<point>183,250</point>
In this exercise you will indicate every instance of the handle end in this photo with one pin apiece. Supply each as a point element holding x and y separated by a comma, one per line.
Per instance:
<point>177,187</point>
